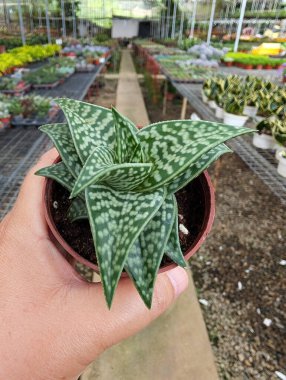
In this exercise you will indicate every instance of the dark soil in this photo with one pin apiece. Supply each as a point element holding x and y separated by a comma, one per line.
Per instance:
<point>238,270</point>
<point>191,206</point>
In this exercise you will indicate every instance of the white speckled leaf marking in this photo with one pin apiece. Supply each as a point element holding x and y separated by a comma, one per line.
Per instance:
<point>173,248</point>
<point>60,173</point>
<point>126,137</point>
<point>89,125</point>
<point>61,137</point>
<point>146,254</point>
<point>117,218</point>
<point>174,145</point>
<point>196,169</point>
<point>126,175</point>
<point>77,210</point>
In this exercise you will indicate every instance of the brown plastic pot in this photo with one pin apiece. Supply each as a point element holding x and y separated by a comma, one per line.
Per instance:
<point>71,255</point>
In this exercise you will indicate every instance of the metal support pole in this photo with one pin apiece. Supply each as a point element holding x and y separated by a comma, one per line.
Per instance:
<point>163,24</point>
<point>168,19</point>
<point>73,20</point>
<point>48,22</point>
<point>174,20</point>
<point>6,14</point>
<point>181,26</point>
<point>30,5</point>
<point>40,17</point>
<point>239,27</point>
<point>63,18</point>
<point>21,23</point>
<point>165,97</point>
<point>211,22</point>
<point>184,108</point>
<point>193,19</point>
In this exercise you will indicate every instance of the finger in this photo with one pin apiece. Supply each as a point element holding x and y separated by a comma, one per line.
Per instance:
<point>29,202</point>
<point>98,327</point>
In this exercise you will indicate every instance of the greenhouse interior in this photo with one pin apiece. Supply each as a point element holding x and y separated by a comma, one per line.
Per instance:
<point>112,113</point>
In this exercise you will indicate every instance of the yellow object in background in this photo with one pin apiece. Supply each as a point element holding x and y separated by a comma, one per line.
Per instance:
<point>267,49</point>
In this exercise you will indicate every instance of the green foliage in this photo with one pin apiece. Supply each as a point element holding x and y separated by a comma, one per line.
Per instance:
<point>124,180</point>
<point>253,59</point>
<point>57,68</point>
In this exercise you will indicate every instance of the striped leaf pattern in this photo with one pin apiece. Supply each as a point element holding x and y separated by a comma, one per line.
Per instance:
<point>197,168</point>
<point>124,181</point>
<point>126,138</point>
<point>174,146</point>
<point>60,173</point>
<point>61,137</point>
<point>173,248</point>
<point>77,210</point>
<point>117,219</point>
<point>90,125</point>
<point>146,254</point>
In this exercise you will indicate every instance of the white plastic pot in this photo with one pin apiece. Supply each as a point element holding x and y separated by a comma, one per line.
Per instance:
<point>259,118</point>
<point>281,168</point>
<point>278,150</point>
<point>263,141</point>
<point>212,104</point>
<point>235,120</point>
<point>204,97</point>
<point>219,112</point>
<point>250,111</point>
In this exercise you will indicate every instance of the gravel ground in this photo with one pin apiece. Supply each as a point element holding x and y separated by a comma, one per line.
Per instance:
<point>239,272</point>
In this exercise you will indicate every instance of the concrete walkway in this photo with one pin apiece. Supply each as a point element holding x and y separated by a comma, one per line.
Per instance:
<point>176,345</point>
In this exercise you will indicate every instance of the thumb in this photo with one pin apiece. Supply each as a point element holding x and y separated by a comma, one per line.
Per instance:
<point>101,328</point>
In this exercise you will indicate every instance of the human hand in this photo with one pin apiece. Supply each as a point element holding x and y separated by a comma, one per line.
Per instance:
<point>53,323</point>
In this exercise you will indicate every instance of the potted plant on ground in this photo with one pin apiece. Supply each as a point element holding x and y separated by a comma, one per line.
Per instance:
<point>250,108</point>
<point>264,139</point>
<point>228,61</point>
<point>233,111</point>
<point>279,134</point>
<point>117,187</point>
<point>281,168</point>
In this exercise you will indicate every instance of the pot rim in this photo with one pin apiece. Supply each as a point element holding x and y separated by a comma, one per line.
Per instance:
<point>235,116</point>
<point>65,248</point>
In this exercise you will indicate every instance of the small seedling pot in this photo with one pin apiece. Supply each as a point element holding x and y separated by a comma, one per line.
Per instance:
<point>281,168</point>
<point>263,141</point>
<point>250,111</point>
<point>219,112</point>
<point>208,210</point>
<point>235,120</point>
<point>212,104</point>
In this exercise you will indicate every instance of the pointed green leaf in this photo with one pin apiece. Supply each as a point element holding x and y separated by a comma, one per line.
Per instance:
<point>196,169</point>
<point>126,177</point>
<point>90,125</point>
<point>173,146</point>
<point>61,137</point>
<point>137,155</point>
<point>60,173</point>
<point>77,210</point>
<point>146,254</point>
<point>101,158</point>
<point>126,137</point>
<point>99,167</point>
<point>117,218</point>
<point>173,247</point>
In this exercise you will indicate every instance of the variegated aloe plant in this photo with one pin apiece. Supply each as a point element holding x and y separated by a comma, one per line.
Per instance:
<point>123,180</point>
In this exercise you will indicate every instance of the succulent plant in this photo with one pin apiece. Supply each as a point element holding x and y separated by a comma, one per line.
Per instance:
<point>124,180</point>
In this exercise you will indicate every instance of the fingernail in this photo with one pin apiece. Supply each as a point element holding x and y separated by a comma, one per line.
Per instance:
<point>179,279</point>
